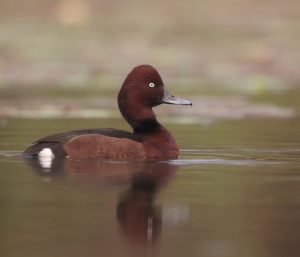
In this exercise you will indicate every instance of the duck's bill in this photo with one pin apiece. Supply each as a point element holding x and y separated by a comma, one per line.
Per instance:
<point>170,99</point>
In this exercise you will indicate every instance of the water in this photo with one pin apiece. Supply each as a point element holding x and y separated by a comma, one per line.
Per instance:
<point>235,191</point>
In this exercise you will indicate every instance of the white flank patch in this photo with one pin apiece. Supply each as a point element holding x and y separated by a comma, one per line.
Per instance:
<point>45,158</point>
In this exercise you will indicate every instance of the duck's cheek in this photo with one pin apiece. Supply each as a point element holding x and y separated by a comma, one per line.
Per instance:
<point>152,100</point>
<point>157,102</point>
<point>160,95</point>
<point>159,98</point>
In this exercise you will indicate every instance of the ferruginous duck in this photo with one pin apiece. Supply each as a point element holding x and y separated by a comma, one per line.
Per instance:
<point>142,90</point>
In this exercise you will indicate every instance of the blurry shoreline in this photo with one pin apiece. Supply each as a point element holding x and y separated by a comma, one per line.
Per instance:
<point>204,108</point>
<point>69,57</point>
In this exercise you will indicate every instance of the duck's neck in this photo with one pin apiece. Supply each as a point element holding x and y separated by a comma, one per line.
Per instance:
<point>157,140</point>
<point>145,126</point>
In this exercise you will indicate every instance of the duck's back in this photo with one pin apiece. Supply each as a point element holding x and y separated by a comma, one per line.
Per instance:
<point>93,143</point>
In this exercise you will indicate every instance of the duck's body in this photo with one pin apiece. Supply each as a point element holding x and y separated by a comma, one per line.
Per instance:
<point>142,89</point>
<point>108,144</point>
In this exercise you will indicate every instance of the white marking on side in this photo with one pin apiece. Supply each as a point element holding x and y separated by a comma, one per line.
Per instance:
<point>45,158</point>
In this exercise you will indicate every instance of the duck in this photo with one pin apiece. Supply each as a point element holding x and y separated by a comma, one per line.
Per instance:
<point>142,90</point>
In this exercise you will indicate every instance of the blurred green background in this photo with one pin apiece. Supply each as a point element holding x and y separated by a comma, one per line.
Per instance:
<point>69,57</point>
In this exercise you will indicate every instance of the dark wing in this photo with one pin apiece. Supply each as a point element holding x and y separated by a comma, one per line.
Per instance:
<point>56,142</point>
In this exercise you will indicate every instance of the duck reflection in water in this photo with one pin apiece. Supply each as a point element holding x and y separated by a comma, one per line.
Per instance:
<point>139,219</point>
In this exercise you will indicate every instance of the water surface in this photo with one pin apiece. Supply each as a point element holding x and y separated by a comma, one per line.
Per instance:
<point>235,191</point>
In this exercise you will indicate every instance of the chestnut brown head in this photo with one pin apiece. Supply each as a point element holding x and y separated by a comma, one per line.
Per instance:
<point>143,89</point>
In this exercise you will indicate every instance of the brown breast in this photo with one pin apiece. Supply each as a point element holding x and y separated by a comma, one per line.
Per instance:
<point>160,144</point>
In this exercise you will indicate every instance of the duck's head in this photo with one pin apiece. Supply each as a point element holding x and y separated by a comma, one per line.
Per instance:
<point>143,89</point>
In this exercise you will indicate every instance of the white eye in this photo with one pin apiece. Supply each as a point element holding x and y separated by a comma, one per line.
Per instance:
<point>151,84</point>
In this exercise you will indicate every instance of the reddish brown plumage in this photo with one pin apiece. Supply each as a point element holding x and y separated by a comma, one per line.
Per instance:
<point>99,146</point>
<point>142,89</point>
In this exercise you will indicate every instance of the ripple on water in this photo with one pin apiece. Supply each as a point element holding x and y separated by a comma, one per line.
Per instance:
<point>239,156</point>
<point>221,162</point>
<point>242,157</point>
<point>10,154</point>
